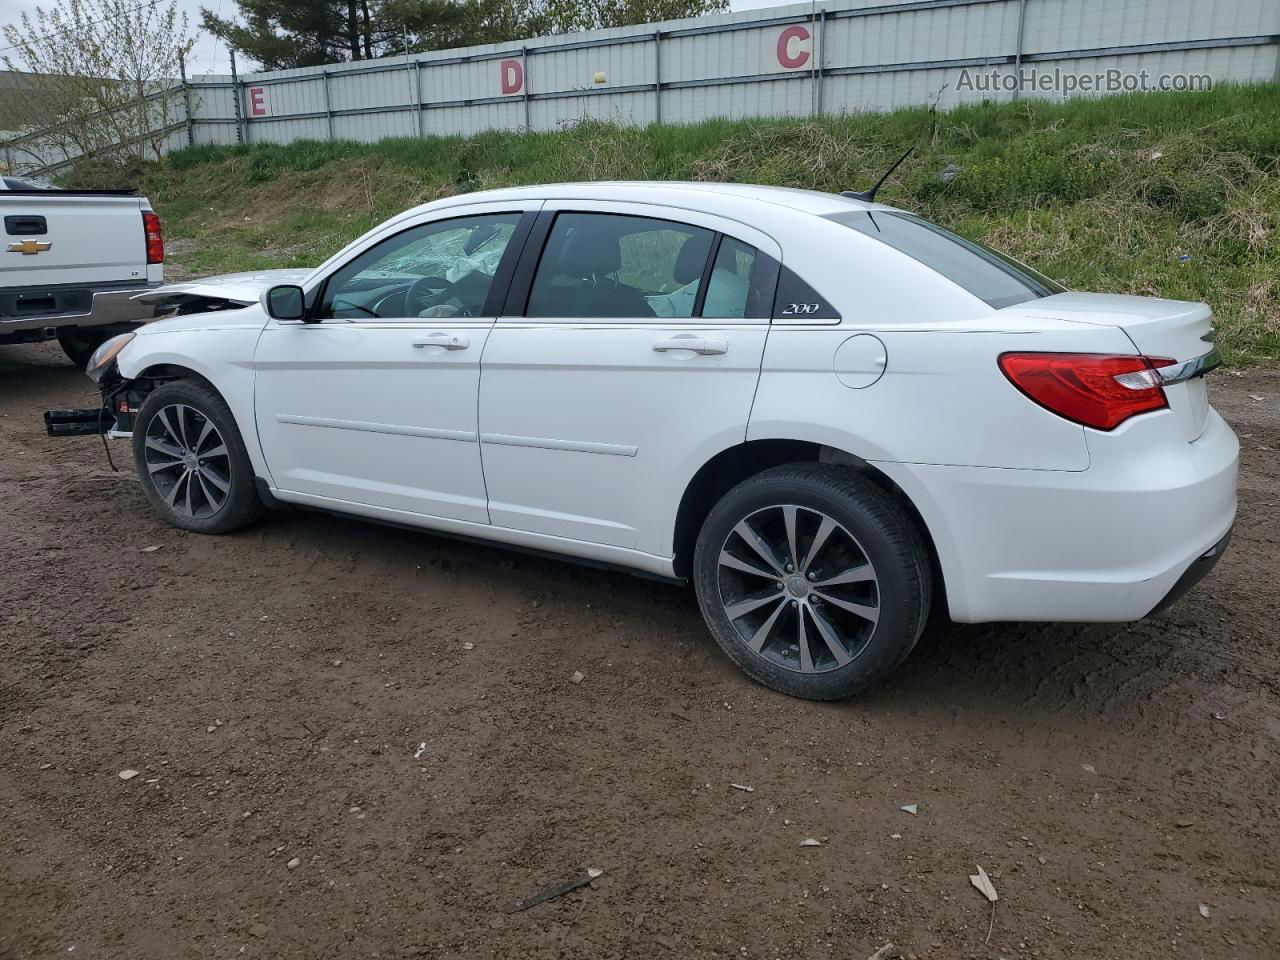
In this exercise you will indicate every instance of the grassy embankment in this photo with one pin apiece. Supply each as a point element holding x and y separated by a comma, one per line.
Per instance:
<point>1176,195</point>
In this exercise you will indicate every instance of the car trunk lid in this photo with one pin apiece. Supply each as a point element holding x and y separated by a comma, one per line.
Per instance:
<point>1176,329</point>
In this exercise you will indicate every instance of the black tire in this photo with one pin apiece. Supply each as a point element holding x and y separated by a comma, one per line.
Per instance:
<point>78,344</point>
<point>199,402</point>
<point>876,531</point>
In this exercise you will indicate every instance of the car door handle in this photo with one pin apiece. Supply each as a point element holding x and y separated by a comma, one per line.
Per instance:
<point>450,341</point>
<point>699,345</point>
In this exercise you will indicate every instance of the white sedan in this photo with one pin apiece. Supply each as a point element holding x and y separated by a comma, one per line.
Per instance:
<point>828,414</point>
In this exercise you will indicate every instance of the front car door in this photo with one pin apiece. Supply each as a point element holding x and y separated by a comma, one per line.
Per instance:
<point>628,358</point>
<point>374,403</point>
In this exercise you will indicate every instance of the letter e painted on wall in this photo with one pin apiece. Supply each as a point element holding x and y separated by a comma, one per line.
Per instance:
<point>259,105</point>
<point>511,73</point>
<point>793,47</point>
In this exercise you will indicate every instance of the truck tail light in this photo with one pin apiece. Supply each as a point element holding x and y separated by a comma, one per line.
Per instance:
<point>155,239</point>
<point>1093,389</point>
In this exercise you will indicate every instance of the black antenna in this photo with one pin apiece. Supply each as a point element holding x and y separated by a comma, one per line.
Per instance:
<point>870,195</point>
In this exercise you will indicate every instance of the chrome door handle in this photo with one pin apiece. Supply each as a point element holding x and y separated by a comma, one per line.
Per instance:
<point>699,345</point>
<point>450,341</point>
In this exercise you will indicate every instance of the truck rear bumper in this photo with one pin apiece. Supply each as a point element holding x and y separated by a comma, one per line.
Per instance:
<point>103,307</point>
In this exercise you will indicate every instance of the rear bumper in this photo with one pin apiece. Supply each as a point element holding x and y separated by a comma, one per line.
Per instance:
<point>1113,543</point>
<point>91,308</point>
<point>1199,569</point>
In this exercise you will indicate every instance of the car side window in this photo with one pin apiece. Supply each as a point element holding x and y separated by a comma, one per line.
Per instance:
<point>442,269</point>
<point>730,282</point>
<point>612,266</point>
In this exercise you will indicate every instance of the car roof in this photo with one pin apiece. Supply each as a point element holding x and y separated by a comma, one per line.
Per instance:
<point>693,195</point>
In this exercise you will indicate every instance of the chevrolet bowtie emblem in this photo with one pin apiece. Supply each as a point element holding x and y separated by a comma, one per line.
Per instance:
<point>29,248</point>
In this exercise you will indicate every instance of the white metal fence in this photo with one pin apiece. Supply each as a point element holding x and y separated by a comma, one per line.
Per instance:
<point>839,56</point>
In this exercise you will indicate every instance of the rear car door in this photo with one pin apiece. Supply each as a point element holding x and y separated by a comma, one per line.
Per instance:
<point>375,404</point>
<point>628,355</point>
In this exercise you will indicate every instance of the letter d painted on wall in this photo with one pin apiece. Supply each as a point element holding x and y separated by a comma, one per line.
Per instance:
<point>512,76</point>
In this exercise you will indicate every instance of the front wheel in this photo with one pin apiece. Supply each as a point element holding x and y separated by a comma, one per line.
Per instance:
<point>814,581</point>
<point>192,461</point>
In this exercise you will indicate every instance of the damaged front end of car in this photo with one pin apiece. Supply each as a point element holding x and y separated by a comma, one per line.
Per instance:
<point>121,398</point>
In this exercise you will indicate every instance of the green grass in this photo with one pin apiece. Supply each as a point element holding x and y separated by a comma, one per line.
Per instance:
<point>1176,195</point>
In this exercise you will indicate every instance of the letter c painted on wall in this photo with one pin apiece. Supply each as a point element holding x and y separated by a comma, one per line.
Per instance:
<point>512,75</point>
<point>789,60</point>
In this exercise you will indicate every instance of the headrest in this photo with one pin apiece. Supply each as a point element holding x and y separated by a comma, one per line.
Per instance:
<point>590,253</point>
<point>690,261</point>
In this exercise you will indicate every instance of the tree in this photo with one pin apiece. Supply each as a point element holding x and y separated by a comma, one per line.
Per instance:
<point>570,16</point>
<point>280,34</point>
<point>103,72</point>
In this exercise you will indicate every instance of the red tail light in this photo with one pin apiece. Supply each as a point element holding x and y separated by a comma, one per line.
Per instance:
<point>155,240</point>
<point>1094,389</point>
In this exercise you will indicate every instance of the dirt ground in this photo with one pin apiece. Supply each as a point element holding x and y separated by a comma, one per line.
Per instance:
<point>304,692</point>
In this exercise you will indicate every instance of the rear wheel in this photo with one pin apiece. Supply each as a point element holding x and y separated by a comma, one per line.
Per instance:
<point>814,582</point>
<point>192,461</point>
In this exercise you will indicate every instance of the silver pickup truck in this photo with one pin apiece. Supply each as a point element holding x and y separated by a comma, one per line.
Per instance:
<point>72,263</point>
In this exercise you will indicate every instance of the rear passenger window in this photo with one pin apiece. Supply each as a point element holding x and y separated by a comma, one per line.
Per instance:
<point>609,266</point>
<point>730,281</point>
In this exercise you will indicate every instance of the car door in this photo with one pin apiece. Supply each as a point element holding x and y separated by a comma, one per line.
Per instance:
<point>602,386</point>
<point>373,401</point>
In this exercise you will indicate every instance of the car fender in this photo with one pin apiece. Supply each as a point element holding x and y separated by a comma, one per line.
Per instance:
<point>221,355</point>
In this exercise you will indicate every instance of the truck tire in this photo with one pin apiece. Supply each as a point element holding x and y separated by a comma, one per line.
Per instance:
<point>79,343</point>
<point>815,582</point>
<point>192,461</point>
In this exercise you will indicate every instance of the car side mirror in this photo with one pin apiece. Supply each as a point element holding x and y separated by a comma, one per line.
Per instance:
<point>285,302</point>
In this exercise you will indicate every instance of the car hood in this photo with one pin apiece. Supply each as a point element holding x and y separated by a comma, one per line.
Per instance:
<point>241,288</point>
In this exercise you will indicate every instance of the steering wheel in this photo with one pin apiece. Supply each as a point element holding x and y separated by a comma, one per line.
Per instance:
<point>427,292</point>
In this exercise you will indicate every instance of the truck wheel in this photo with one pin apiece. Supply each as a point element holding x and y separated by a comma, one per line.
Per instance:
<point>813,582</point>
<point>192,461</point>
<point>78,344</point>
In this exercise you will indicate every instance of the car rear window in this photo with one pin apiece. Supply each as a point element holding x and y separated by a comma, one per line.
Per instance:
<point>989,275</point>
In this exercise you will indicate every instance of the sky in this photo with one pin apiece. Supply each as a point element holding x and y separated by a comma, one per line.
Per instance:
<point>210,53</point>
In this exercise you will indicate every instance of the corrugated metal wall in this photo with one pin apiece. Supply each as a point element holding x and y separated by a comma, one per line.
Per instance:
<point>799,60</point>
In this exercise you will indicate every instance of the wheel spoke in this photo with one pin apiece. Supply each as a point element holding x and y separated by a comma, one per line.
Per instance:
<point>757,641</point>
<point>743,607</point>
<point>191,511</point>
<point>219,451</point>
<point>860,609</point>
<point>184,422</point>
<point>163,417</point>
<point>802,641</point>
<point>172,497</point>
<point>166,465</point>
<point>793,551</point>
<point>213,502</point>
<point>204,435</point>
<point>857,574</point>
<point>727,559</point>
<point>758,544</point>
<point>213,478</point>
<point>828,633</point>
<point>819,539</point>
<point>168,449</point>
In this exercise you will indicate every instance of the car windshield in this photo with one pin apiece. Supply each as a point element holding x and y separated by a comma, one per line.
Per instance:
<point>989,275</point>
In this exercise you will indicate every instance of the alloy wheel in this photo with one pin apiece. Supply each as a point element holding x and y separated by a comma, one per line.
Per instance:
<point>798,588</point>
<point>188,461</point>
